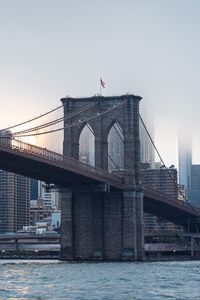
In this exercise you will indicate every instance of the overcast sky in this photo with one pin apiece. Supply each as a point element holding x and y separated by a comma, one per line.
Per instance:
<point>53,48</point>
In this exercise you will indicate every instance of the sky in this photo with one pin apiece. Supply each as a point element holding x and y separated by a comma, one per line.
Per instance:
<point>53,48</point>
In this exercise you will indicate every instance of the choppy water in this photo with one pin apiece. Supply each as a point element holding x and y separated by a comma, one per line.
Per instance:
<point>117,281</point>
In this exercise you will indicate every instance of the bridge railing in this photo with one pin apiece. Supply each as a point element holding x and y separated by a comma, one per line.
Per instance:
<point>26,148</point>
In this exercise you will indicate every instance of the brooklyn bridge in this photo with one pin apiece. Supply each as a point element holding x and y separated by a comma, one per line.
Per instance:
<point>102,211</point>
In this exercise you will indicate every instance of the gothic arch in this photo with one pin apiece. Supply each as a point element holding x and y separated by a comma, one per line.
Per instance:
<point>81,127</point>
<point>111,124</point>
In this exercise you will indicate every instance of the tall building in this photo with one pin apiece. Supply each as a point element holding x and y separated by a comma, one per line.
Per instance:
<point>15,192</point>
<point>194,195</point>
<point>165,181</point>
<point>14,201</point>
<point>185,161</point>
<point>7,202</point>
<point>34,189</point>
<point>50,197</point>
<point>162,179</point>
<point>22,200</point>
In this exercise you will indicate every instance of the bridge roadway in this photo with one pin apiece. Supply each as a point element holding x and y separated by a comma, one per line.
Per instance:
<point>51,167</point>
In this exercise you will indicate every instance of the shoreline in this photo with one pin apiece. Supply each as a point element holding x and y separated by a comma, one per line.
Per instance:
<point>56,257</point>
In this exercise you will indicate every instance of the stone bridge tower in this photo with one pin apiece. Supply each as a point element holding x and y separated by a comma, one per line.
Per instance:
<point>98,222</point>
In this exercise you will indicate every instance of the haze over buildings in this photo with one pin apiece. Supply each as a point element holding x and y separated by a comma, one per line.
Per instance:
<point>185,160</point>
<point>189,174</point>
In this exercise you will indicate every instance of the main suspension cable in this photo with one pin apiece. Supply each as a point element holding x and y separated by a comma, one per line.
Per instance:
<point>55,121</point>
<point>33,119</point>
<point>85,120</point>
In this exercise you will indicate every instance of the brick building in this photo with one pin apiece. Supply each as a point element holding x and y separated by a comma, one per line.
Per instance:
<point>162,179</point>
<point>165,181</point>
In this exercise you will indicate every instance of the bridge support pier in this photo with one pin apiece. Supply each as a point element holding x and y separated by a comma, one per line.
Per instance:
<point>99,225</point>
<point>66,251</point>
<point>133,226</point>
<point>140,225</point>
<point>129,226</point>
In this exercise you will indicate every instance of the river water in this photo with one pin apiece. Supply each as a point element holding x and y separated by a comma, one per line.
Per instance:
<point>63,280</point>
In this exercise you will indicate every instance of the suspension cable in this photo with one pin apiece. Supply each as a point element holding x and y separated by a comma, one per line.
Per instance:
<point>78,123</point>
<point>180,191</point>
<point>55,121</point>
<point>90,129</point>
<point>85,120</point>
<point>33,119</point>
<point>119,128</point>
<point>118,133</point>
<point>114,163</point>
<point>117,166</point>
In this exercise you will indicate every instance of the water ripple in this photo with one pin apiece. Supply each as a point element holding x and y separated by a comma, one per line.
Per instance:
<point>44,280</point>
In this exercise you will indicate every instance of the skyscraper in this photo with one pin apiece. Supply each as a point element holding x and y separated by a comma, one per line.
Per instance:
<point>14,201</point>
<point>185,161</point>
<point>194,195</point>
<point>15,192</point>
<point>7,202</point>
<point>34,189</point>
<point>22,200</point>
<point>165,181</point>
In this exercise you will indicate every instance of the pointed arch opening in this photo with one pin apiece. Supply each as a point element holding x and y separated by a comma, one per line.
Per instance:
<point>115,148</point>
<point>87,145</point>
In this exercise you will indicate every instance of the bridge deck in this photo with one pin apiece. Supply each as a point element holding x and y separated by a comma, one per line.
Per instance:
<point>51,167</point>
<point>179,212</point>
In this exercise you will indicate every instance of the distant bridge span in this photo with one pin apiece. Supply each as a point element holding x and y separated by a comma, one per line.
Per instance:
<point>170,208</point>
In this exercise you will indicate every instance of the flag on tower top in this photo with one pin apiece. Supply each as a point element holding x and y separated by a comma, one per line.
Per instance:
<point>102,83</point>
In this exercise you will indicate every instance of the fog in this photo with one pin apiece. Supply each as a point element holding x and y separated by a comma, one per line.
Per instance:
<point>53,48</point>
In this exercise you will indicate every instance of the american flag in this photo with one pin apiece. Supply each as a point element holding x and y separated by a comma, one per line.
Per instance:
<point>102,83</point>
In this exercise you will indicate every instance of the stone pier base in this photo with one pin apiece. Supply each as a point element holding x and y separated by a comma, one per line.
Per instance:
<point>101,226</point>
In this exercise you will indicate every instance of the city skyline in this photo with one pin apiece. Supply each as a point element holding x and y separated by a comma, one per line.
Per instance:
<point>98,78</point>
<point>151,48</point>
